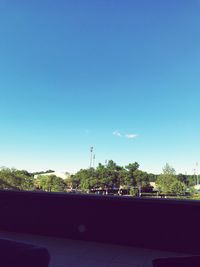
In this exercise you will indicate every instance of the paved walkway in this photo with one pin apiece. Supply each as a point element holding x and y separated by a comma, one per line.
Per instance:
<point>72,253</point>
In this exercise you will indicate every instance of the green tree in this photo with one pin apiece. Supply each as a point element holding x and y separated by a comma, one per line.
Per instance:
<point>51,183</point>
<point>141,179</point>
<point>16,179</point>
<point>109,176</point>
<point>133,192</point>
<point>102,173</point>
<point>168,183</point>
<point>85,179</point>
<point>27,179</point>
<point>177,187</point>
<point>112,166</point>
<point>129,179</point>
<point>191,180</point>
<point>152,177</point>
<point>73,182</point>
<point>168,170</point>
<point>132,167</point>
<point>183,178</point>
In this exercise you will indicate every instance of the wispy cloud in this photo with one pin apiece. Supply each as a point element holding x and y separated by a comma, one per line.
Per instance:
<point>128,136</point>
<point>117,133</point>
<point>131,136</point>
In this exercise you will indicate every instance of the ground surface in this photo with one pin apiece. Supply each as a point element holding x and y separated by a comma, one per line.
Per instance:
<point>72,253</point>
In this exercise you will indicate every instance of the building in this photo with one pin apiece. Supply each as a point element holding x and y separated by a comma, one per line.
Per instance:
<point>61,174</point>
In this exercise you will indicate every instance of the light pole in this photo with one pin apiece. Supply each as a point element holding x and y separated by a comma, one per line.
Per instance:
<point>91,154</point>
<point>94,161</point>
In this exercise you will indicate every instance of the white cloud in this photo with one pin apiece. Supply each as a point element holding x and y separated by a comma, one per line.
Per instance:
<point>131,136</point>
<point>116,133</point>
<point>128,136</point>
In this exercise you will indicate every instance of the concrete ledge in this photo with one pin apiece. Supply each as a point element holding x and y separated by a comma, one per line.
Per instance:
<point>149,223</point>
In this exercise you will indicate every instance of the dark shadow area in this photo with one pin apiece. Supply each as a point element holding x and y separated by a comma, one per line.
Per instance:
<point>150,223</point>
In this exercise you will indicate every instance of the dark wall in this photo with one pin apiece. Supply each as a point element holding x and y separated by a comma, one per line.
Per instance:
<point>152,223</point>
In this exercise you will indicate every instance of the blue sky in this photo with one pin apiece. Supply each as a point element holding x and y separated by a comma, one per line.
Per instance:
<point>75,74</point>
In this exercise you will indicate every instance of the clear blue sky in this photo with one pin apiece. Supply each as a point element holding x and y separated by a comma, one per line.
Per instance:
<point>122,76</point>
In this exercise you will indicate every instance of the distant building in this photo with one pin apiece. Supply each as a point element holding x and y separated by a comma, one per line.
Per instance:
<point>61,174</point>
<point>153,185</point>
<point>197,187</point>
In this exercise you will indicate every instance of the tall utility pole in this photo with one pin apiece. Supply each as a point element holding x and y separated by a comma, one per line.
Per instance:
<point>91,156</point>
<point>94,161</point>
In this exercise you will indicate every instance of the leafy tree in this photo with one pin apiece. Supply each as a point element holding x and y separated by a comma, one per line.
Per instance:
<point>152,177</point>
<point>133,192</point>
<point>73,182</point>
<point>192,180</point>
<point>168,170</point>
<point>177,187</point>
<point>183,178</point>
<point>164,182</point>
<point>85,179</point>
<point>168,183</point>
<point>109,176</point>
<point>16,179</point>
<point>51,183</point>
<point>103,175</point>
<point>132,167</point>
<point>141,178</point>
<point>27,179</point>
<point>111,165</point>
<point>130,176</point>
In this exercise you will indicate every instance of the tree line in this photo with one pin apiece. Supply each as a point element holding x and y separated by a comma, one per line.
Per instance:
<point>102,178</point>
<point>13,179</point>
<point>133,179</point>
